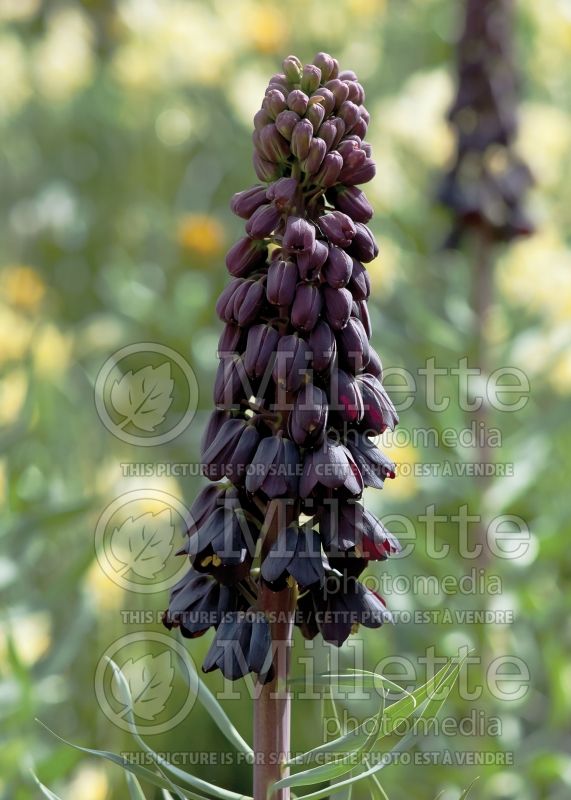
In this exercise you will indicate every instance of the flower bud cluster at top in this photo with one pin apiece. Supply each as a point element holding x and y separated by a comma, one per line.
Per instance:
<point>298,392</point>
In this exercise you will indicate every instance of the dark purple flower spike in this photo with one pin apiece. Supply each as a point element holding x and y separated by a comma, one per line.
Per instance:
<point>298,391</point>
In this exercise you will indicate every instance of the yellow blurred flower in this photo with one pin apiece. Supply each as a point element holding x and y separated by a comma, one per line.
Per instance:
<point>30,633</point>
<point>421,105</point>
<point>406,457</point>
<point>268,28</point>
<point>90,783</point>
<point>52,352</point>
<point>383,271</point>
<point>64,59</point>
<point>13,389</point>
<point>3,480</point>
<point>367,8</point>
<point>15,335</point>
<point>15,87</point>
<point>22,287</point>
<point>544,140</point>
<point>18,9</point>
<point>560,374</point>
<point>105,593</point>
<point>536,273</point>
<point>201,234</point>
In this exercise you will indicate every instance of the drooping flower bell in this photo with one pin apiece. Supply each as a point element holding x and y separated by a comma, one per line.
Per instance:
<point>298,394</point>
<point>486,185</point>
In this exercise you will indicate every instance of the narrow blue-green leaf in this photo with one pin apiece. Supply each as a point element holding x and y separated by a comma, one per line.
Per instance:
<point>394,713</point>
<point>44,789</point>
<point>445,683</point>
<point>175,772</point>
<point>467,791</point>
<point>221,718</point>
<point>141,772</point>
<point>340,766</point>
<point>135,790</point>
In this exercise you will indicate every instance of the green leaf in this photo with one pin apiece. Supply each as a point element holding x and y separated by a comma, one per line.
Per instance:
<point>394,713</point>
<point>135,791</point>
<point>340,766</point>
<point>141,772</point>
<point>44,789</point>
<point>467,791</point>
<point>164,766</point>
<point>444,679</point>
<point>221,718</point>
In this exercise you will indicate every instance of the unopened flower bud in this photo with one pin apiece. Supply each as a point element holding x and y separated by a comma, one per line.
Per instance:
<point>353,346</point>
<point>263,221</point>
<point>338,227</point>
<point>301,139</point>
<point>249,309</point>
<point>243,204</point>
<point>363,246</point>
<point>261,119</point>
<point>337,307</point>
<point>348,75</point>
<point>340,91</point>
<point>297,101</point>
<point>310,78</point>
<point>361,312</point>
<point>349,113</point>
<point>282,282</point>
<point>356,92</point>
<point>325,63</point>
<point>292,68</point>
<point>330,170</point>
<point>291,362</point>
<point>338,268</point>
<point>306,307</point>
<point>328,132</point>
<point>363,172</point>
<point>282,193</point>
<point>273,145</point>
<point>260,347</point>
<point>359,284</point>
<point>230,383</point>
<point>274,102</point>
<point>310,263</point>
<point>315,114</point>
<point>360,128</point>
<point>317,151</point>
<point>286,122</point>
<point>299,236</point>
<point>323,347</point>
<point>265,170</point>
<point>230,340</point>
<point>352,201</point>
<point>245,256</point>
<point>326,99</point>
<point>225,302</point>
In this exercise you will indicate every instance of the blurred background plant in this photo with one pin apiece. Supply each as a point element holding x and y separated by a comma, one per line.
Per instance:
<point>125,129</point>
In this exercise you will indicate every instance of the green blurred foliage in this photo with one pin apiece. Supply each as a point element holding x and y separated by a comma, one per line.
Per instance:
<point>125,129</point>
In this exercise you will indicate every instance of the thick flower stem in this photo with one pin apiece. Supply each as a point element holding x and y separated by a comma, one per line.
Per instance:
<point>272,707</point>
